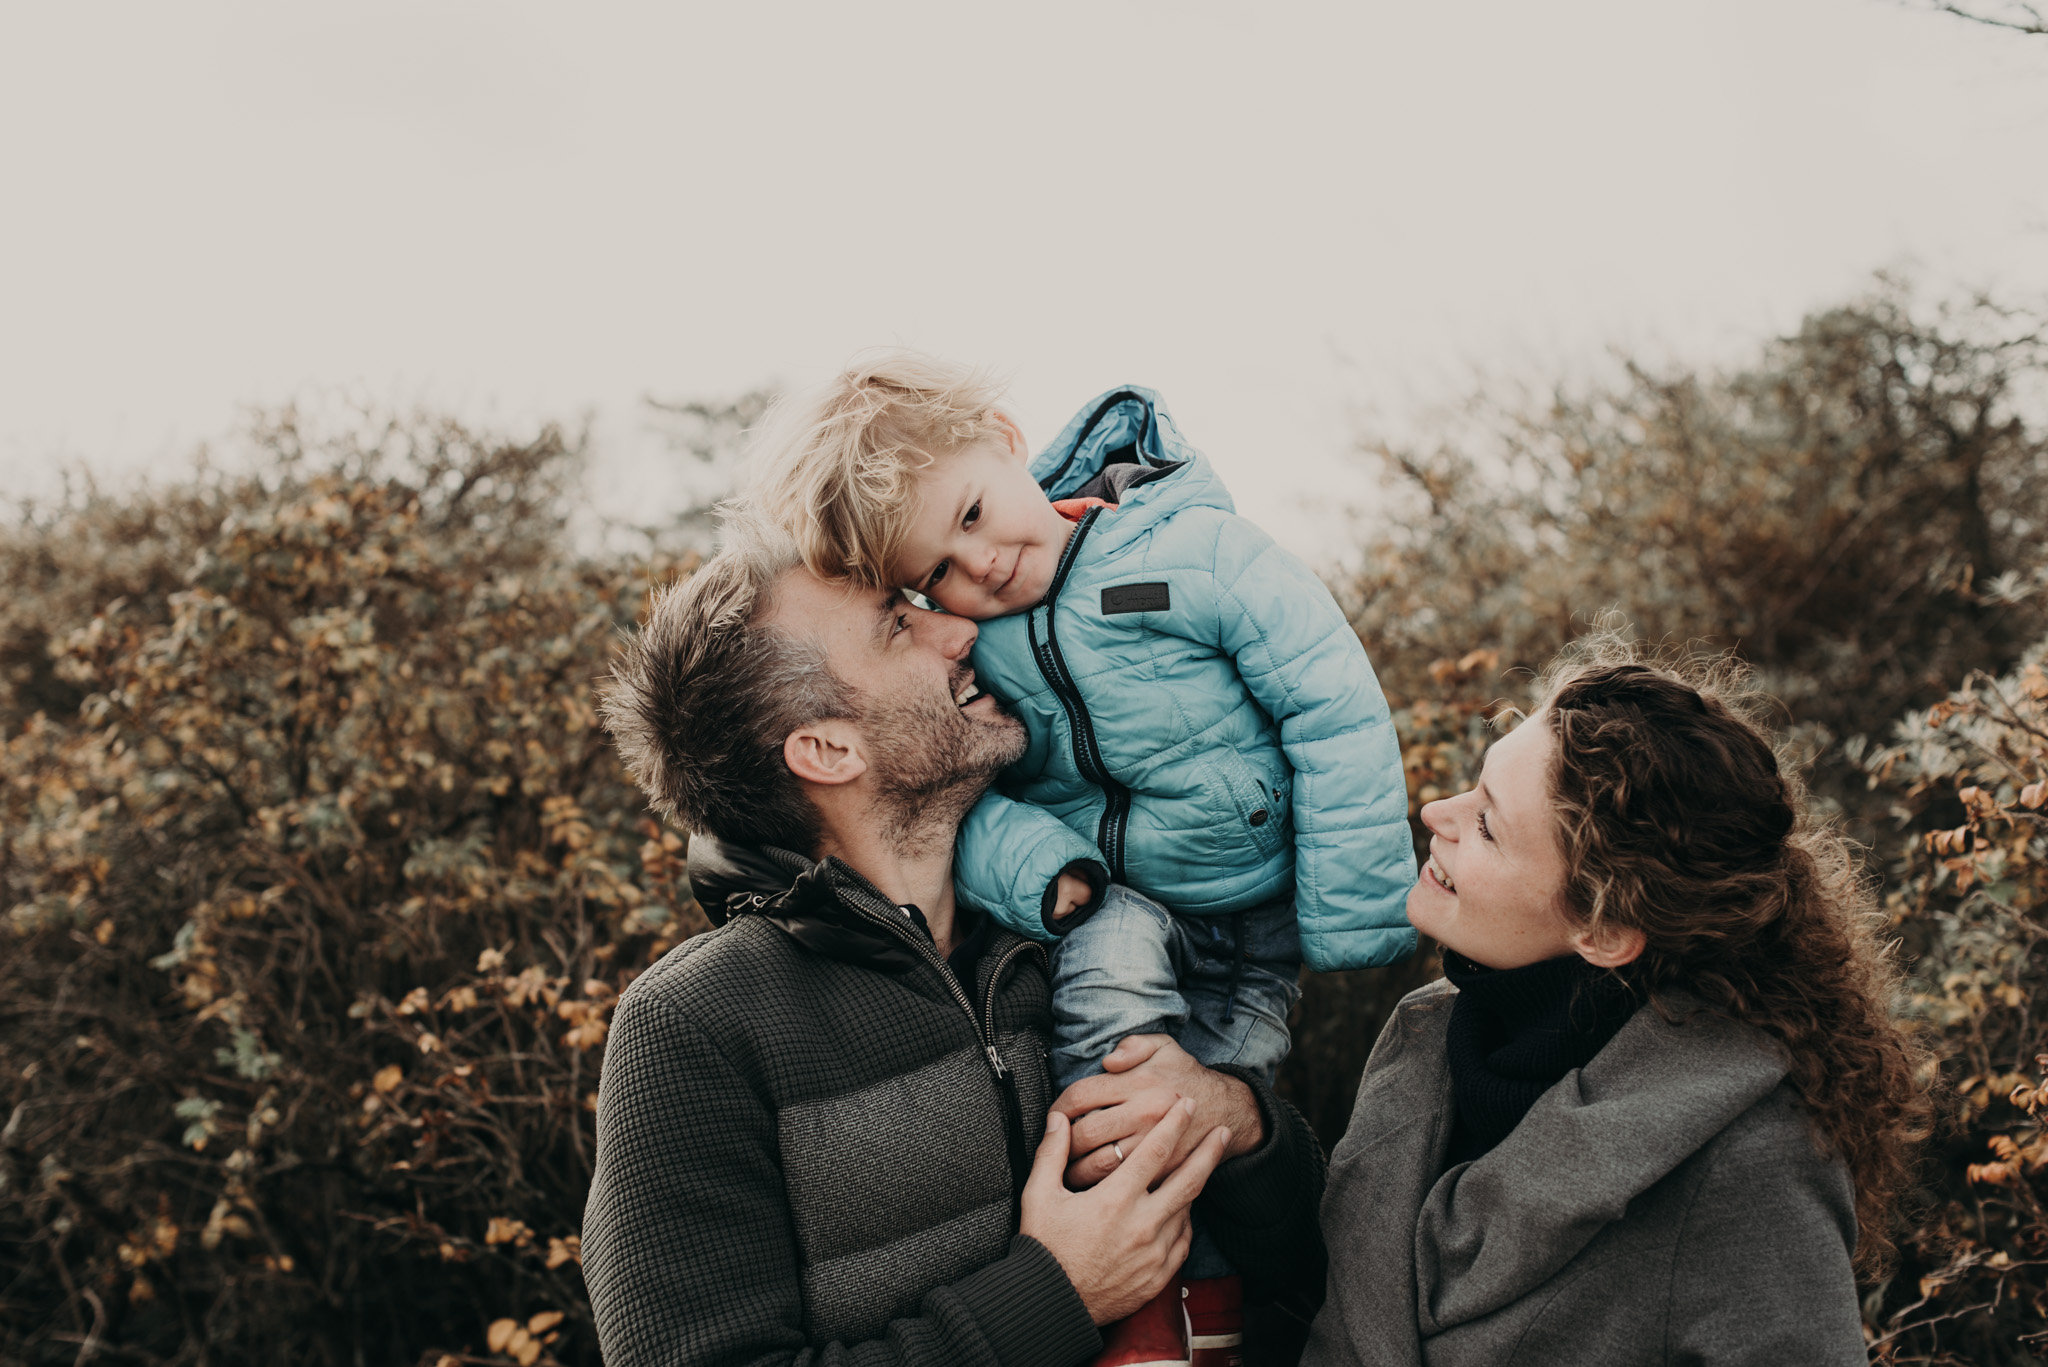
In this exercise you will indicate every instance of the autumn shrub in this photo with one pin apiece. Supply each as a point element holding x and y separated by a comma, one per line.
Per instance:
<point>1857,512</point>
<point>320,880</point>
<point>1969,894</point>
<point>320,897</point>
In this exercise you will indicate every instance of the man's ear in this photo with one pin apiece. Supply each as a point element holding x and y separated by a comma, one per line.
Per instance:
<point>1013,435</point>
<point>1610,946</point>
<point>825,752</point>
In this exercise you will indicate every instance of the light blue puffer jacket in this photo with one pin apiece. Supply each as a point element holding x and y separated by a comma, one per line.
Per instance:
<point>1202,718</point>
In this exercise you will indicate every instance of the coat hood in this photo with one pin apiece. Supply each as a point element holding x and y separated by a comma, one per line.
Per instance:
<point>1129,425</point>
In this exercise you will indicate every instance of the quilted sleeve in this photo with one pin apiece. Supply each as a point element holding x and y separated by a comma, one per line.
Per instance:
<point>1354,858</point>
<point>1008,854</point>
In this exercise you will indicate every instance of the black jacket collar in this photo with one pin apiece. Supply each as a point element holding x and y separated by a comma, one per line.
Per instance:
<point>827,907</point>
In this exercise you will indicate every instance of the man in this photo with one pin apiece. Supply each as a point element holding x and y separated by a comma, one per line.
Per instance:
<point>816,1123</point>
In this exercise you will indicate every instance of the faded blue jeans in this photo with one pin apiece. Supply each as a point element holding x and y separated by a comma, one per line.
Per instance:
<point>1222,986</point>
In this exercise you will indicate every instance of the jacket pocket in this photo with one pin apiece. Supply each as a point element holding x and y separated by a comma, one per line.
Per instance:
<point>1260,799</point>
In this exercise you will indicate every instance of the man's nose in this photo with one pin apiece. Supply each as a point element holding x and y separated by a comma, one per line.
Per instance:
<point>953,635</point>
<point>960,635</point>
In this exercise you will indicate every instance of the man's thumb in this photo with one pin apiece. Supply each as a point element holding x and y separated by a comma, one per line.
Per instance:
<point>1051,1161</point>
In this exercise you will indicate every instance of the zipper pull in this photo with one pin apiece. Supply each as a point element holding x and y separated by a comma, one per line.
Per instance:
<point>995,1063</point>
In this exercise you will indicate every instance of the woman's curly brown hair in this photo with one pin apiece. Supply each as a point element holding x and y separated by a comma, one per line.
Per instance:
<point>1679,819</point>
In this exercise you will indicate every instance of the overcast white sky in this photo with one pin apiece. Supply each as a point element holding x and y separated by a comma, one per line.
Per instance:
<point>1272,213</point>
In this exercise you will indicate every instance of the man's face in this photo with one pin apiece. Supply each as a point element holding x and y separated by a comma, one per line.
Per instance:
<point>932,740</point>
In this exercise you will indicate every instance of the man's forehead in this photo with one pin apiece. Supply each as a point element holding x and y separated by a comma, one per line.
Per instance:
<point>831,612</point>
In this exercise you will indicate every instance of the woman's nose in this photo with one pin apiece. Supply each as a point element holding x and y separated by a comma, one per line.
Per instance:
<point>1435,818</point>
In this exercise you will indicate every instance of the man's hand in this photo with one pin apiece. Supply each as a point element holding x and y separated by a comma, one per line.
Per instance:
<point>1073,894</point>
<point>1121,1241</point>
<point>1143,1079</point>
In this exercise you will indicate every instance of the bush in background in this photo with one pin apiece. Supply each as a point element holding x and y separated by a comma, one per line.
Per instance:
<point>1970,896</point>
<point>321,881</point>
<point>1858,514</point>
<point>320,900</point>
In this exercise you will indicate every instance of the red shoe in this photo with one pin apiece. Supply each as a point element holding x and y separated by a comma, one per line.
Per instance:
<point>1215,1308</point>
<point>1155,1335</point>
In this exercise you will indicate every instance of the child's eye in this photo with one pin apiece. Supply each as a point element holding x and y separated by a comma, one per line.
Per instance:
<point>973,515</point>
<point>939,572</point>
<point>1484,834</point>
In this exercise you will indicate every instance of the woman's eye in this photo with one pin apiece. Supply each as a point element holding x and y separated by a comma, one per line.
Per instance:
<point>937,574</point>
<point>1484,834</point>
<point>973,516</point>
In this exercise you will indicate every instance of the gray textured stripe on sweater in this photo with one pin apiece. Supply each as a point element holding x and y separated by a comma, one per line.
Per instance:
<point>859,1177</point>
<point>842,1295</point>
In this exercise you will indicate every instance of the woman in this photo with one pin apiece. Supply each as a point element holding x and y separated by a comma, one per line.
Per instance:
<point>1657,1111</point>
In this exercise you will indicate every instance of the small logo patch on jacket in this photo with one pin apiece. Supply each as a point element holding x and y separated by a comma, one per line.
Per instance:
<point>1135,598</point>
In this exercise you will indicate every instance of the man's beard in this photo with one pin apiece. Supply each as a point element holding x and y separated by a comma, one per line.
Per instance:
<point>933,762</point>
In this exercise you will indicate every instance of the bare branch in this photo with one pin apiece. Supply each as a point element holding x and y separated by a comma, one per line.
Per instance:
<point>2018,18</point>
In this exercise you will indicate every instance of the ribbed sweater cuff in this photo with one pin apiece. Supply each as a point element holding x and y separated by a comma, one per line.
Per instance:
<point>1261,1188</point>
<point>1027,1309</point>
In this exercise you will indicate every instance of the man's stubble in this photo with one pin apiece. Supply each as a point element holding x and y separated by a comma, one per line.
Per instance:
<point>933,762</point>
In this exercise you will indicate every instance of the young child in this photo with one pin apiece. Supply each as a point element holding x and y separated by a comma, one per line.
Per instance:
<point>1206,734</point>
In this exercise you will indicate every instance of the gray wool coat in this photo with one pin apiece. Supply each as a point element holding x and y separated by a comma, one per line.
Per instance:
<point>1664,1204</point>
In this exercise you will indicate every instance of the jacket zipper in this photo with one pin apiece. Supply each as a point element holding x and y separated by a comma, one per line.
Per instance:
<point>983,1024</point>
<point>1116,799</point>
<point>984,1028</point>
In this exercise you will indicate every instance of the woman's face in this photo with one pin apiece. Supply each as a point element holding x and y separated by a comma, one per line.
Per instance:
<point>1493,889</point>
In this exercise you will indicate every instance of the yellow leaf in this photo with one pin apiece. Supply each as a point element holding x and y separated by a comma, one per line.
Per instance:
<point>499,1334</point>
<point>544,1321</point>
<point>505,1230</point>
<point>388,1077</point>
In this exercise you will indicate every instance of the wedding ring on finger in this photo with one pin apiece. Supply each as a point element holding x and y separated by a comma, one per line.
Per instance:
<point>1119,1152</point>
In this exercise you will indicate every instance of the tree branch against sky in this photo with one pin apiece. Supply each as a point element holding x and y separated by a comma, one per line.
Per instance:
<point>2012,15</point>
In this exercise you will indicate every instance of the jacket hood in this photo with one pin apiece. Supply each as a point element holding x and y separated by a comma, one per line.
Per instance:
<point>827,907</point>
<point>1129,424</point>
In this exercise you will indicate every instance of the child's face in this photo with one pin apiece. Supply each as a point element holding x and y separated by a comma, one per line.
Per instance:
<point>985,541</point>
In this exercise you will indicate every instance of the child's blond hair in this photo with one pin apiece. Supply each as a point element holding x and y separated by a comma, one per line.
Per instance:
<point>836,467</point>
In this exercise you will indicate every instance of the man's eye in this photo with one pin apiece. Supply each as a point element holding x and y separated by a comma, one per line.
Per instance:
<point>938,573</point>
<point>973,516</point>
<point>1484,834</point>
<point>902,623</point>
